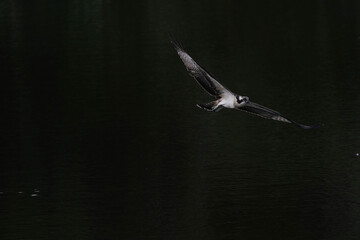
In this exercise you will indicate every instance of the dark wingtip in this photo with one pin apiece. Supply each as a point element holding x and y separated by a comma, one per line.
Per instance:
<point>175,42</point>
<point>317,125</point>
<point>308,127</point>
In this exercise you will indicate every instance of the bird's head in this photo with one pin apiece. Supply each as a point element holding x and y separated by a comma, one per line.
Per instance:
<point>241,100</point>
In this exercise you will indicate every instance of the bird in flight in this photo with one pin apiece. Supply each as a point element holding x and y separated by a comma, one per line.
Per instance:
<point>224,97</point>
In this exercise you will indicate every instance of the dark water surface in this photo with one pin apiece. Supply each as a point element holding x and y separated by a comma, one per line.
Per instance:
<point>102,140</point>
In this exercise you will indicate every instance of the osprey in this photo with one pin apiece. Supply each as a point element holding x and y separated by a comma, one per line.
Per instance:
<point>224,97</point>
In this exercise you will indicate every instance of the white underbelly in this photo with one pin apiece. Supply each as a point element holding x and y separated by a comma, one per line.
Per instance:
<point>227,102</point>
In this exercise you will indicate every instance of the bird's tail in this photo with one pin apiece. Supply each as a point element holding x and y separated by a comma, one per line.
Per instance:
<point>211,106</point>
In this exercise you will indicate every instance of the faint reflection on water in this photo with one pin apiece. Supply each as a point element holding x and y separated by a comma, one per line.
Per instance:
<point>33,193</point>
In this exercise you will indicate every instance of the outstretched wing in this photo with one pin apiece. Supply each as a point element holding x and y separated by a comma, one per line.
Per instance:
<point>268,113</point>
<point>204,78</point>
